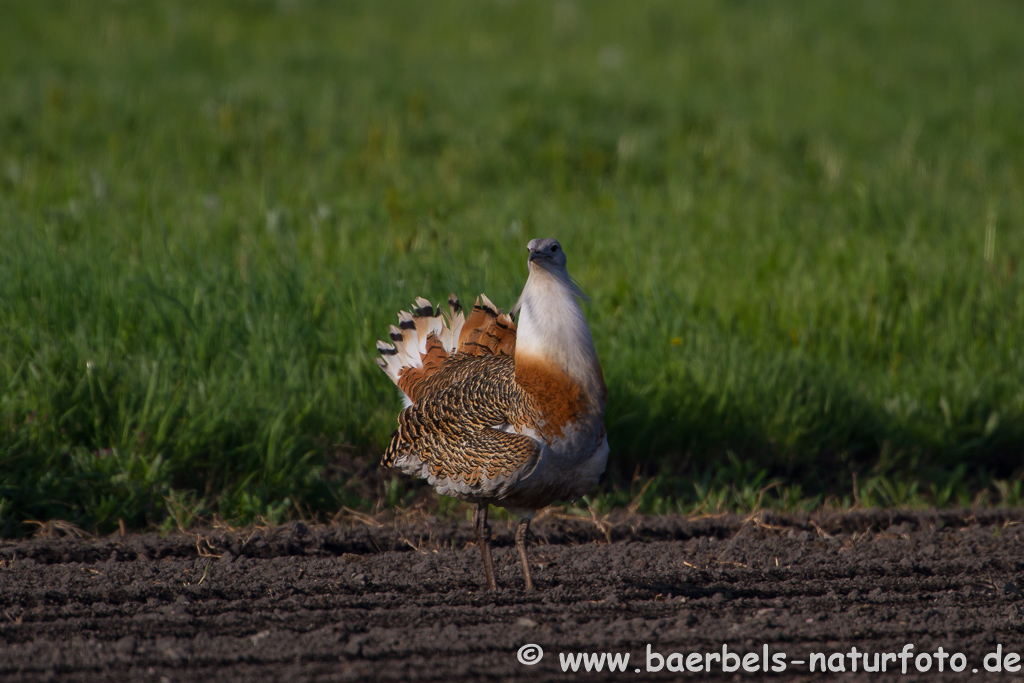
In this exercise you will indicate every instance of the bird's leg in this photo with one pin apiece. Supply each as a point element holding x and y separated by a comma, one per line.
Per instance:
<point>521,532</point>
<point>483,535</point>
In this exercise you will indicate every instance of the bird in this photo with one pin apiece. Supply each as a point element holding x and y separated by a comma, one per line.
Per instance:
<point>501,411</point>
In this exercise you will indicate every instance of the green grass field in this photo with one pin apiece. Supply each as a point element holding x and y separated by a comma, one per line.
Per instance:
<point>800,225</point>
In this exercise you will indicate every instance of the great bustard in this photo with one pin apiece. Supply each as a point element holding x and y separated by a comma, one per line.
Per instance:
<point>500,414</point>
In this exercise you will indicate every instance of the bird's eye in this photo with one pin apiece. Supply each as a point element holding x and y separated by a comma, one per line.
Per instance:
<point>554,248</point>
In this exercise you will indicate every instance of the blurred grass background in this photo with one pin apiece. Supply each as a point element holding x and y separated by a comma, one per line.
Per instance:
<point>800,225</point>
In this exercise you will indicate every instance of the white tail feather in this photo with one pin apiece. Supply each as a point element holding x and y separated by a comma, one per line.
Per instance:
<point>456,319</point>
<point>405,344</point>
<point>388,360</point>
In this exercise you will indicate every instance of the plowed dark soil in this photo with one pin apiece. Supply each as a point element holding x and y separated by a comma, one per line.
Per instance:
<point>404,601</point>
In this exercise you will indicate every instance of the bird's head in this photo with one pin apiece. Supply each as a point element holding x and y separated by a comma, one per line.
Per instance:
<point>546,253</point>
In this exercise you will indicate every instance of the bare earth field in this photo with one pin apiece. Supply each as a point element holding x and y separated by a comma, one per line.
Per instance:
<point>404,601</point>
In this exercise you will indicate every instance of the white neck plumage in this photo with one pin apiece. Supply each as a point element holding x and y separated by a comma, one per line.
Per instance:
<point>551,327</point>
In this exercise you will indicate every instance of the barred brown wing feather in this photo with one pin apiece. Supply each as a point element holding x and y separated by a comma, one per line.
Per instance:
<point>449,433</point>
<point>482,463</point>
<point>441,372</point>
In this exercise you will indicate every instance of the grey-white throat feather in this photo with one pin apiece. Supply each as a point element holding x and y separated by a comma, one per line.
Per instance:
<point>551,323</point>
